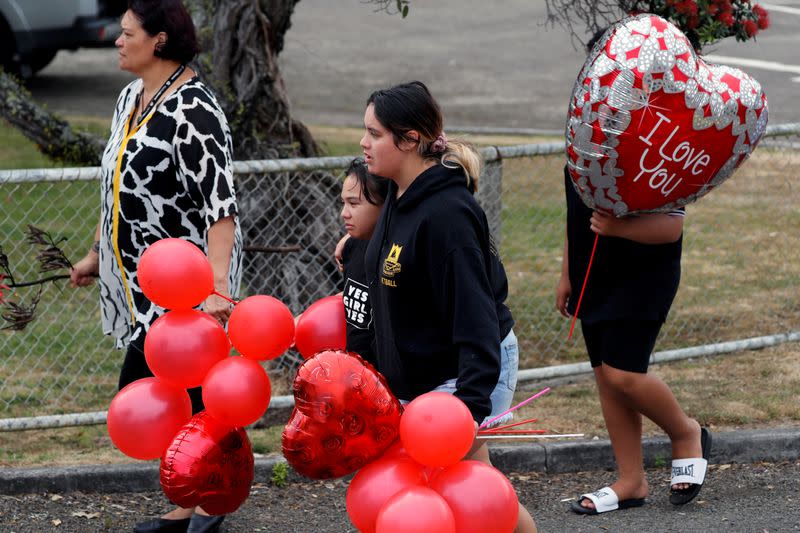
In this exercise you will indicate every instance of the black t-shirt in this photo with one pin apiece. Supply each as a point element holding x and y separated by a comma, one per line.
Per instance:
<point>357,306</point>
<point>628,280</point>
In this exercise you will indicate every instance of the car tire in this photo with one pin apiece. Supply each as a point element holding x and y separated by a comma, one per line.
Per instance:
<point>8,49</point>
<point>41,58</point>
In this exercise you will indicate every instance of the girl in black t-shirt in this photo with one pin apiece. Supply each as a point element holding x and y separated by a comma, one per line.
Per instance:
<point>363,196</point>
<point>631,285</point>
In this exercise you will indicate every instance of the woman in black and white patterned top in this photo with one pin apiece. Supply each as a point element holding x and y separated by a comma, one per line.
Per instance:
<point>166,172</point>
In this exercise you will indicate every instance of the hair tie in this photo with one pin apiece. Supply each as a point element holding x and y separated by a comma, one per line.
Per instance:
<point>440,144</point>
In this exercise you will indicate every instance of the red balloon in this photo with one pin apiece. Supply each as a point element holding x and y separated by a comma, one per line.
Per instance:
<point>374,484</point>
<point>651,126</point>
<point>209,464</point>
<point>182,346</point>
<point>145,415</point>
<point>416,510</point>
<point>237,391</point>
<point>480,496</point>
<point>175,274</point>
<point>437,429</point>
<point>321,327</point>
<point>395,451</point>
<point>261,327</point>
<point>345,416</point>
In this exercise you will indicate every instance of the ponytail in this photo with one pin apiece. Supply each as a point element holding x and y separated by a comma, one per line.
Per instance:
<point>463,154</point>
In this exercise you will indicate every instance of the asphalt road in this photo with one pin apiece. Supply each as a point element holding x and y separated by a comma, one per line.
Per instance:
<point>488,63</point>
<point>761,497</point>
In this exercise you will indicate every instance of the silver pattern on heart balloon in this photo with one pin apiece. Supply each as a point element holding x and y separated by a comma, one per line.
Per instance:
<point>602,66</point>
<point>671,86</point>
<point>612,123</point>
<point>620,95</point>
<point>687,66</point>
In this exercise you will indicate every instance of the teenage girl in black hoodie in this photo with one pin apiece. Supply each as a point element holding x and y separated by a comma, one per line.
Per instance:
<point>436,283</point>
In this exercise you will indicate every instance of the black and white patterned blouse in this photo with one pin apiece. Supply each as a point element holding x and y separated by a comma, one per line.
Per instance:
<point>172,176</point>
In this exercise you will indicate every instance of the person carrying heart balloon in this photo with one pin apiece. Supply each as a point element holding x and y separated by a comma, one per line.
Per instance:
<point>167,171</point>
<point>435,279</point>
<point>645,137</point>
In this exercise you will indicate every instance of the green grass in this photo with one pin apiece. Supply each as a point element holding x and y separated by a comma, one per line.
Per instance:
<point>748,390</point>
<point>740,270</point>
<point>18,152</point>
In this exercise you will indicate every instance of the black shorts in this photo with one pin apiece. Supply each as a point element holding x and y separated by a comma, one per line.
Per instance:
<point>621,344</point>
<point>135,367</point>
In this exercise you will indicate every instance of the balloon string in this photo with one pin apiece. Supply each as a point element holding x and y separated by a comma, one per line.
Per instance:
<point>528,421</point>
<point>585,280</point>
<point>520,404</point>
<point>234,302</point>
<point>512,432</point>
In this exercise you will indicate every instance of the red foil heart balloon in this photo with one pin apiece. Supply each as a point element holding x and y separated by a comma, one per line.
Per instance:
<point>209,464</point>
<point>344,417</point>
<point>651,126</point>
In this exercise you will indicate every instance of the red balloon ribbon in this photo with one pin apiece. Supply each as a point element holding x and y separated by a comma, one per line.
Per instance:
<point>583,288</point>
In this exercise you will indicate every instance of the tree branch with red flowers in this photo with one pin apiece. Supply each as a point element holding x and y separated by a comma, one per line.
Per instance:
<point>704,22</point>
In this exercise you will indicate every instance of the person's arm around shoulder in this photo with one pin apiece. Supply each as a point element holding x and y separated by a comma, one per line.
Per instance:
<point>338,252</point>
<point>84,271</point>
<point>655,228</point>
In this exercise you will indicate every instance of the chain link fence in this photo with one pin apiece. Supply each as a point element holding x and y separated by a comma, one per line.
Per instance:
<point>741,263</point>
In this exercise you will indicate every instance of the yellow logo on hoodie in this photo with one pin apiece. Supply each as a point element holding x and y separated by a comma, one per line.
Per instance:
<point>391,265</point>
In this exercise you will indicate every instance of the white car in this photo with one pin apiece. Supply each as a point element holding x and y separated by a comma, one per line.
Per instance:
<point>32,31</point>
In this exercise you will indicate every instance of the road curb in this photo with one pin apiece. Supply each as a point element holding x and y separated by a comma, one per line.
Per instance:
<point>773,445</point>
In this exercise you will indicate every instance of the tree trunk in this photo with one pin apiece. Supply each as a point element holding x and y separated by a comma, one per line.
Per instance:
<point>53,136</point>
<point>241,40</point>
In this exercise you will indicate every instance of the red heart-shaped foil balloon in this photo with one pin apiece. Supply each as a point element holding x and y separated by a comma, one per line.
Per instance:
<point>344,417</point>
<point>651,126</point>
<point>209,464</point>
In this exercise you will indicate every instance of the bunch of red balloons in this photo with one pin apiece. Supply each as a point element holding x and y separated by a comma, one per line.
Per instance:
<point>186,348</point>
<point>423,484</point>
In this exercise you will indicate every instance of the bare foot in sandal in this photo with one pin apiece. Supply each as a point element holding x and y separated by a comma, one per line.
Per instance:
<point>627,495</point>
<point>686,446</point>
<point>689,474</point>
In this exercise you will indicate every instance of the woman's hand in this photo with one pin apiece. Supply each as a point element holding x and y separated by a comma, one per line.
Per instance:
<point>607,225</point>
<point>337,253</point>
<point>217,307</point>
<point>84,271</point>
<point>563,292</point>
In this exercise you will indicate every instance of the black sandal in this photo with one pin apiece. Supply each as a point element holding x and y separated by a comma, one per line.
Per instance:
<point>604,500</point>
<point>691,471</point>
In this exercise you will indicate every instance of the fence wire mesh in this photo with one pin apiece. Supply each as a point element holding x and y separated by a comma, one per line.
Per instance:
<point>741,262</point>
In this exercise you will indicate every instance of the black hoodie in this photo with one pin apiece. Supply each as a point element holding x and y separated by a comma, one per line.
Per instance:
<point>438,290</point>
